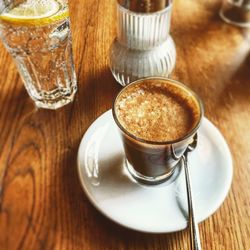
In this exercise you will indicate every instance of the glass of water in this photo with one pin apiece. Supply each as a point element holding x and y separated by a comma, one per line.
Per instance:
<point>37,35</point>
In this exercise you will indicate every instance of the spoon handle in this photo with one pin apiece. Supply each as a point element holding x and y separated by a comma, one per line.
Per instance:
<point>193,225</point>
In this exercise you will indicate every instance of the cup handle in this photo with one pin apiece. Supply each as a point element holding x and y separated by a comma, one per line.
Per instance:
<point>190,147</point>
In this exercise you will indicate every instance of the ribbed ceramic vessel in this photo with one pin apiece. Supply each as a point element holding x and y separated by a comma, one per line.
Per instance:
<point>143,46</point>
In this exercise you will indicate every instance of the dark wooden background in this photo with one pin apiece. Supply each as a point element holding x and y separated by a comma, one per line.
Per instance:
<point>42,205</point>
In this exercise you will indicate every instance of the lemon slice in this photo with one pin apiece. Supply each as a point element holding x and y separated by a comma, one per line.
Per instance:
<point>36,12</point>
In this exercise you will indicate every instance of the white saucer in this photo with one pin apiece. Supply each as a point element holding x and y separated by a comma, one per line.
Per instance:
<point>155,209</point>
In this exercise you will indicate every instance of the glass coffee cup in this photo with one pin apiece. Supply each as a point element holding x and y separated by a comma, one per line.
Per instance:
<point>157,118</point>
<point>236,12</point>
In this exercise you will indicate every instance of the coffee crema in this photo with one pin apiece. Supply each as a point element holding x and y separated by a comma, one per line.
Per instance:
<point>157,111</point>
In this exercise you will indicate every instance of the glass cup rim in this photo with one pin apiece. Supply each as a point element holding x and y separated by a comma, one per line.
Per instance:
<point>188,135</point>
<point>166,9</point>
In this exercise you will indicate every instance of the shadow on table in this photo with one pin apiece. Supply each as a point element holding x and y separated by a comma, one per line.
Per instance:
<point>96,92</point>
<point>238,86</point>
<point>216,51</point>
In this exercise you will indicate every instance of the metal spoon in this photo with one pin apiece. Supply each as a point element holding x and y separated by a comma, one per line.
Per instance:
<point>193,225</point>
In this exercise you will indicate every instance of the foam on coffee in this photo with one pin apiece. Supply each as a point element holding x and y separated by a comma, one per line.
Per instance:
<point>157,111</point>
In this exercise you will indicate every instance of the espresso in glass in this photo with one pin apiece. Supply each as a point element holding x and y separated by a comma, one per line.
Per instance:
<point>158,119</point>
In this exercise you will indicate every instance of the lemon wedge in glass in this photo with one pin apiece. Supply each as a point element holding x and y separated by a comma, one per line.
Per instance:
<point>36,12</point>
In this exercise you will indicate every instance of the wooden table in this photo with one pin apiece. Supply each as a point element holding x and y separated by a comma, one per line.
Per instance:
<point>42,203</point>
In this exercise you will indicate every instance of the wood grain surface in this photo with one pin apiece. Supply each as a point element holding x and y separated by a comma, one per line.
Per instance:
<point>42,205</point>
